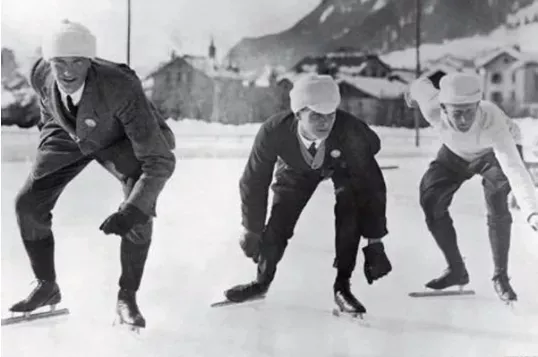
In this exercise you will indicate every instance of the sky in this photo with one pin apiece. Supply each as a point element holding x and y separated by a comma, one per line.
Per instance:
<point>158,26</point>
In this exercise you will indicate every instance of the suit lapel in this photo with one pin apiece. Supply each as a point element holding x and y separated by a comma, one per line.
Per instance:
<point>296,144</point>
<point>87,115</point>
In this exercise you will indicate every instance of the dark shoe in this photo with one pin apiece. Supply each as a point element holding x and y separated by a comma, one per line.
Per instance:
<point>44,294</point>
<point>344,298</point>
<point>451,277</point>
<point>127,309</point>
<point>244,292</point>
<point>501,284</point>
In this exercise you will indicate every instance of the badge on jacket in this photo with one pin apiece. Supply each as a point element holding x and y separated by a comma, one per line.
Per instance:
<point>90,122</point>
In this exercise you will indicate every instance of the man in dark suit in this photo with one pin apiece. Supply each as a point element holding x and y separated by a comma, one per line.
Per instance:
<point>92,109</point>
<point>312,142</point>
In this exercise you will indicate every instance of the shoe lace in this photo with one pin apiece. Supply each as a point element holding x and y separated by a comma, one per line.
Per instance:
<point>254,287</point>
<point>37,284</point>
<point>502,278</point>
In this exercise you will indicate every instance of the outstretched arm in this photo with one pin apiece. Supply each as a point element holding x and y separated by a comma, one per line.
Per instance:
<point>256,179</point>
<point>368,181</point>
<point>512,165</point>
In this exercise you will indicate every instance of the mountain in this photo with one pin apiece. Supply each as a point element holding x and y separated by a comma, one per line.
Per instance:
<point>372,26</point>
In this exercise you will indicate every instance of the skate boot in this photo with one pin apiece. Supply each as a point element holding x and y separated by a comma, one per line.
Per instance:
<point>345,300</point>
<point>244,292</point>
<point>46,293</point>
<point>127,310</point>
<point>451,277</point>
<point>502,286</point>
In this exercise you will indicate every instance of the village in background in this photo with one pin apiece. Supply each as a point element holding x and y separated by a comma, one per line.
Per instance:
<point>372,85</point>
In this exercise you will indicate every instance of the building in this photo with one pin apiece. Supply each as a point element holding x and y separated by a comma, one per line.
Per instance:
<point>510,79</point>
<point>378,101</point>
<point>197,87</point>
<point>344,61</point>
<point>370,89</point>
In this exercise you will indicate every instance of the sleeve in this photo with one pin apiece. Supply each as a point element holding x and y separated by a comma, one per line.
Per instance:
<point>512,165</point>
<point>256,179</point>
<point>514,129</point>
<point>150,148</point>
<point>426,96</point>
<point>44,114</point>
<point>364,131</point>
<point>368,181</point>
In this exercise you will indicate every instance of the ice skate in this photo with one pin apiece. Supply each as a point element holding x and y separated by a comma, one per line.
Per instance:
<point>127,311</point>
<point>451,277</point>
<point>345,301</point>
<point>243,293</point>
<point>501,284</point>
<point>45,294</point>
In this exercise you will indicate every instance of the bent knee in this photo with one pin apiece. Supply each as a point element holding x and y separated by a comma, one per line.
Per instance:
<point>25,202</point>
<point>433,205</point>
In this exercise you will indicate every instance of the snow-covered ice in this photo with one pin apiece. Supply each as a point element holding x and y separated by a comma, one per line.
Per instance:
<point>195,256</point>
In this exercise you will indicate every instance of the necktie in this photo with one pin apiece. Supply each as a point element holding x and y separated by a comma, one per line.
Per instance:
<point>312,149</point>
<point>71,107</point>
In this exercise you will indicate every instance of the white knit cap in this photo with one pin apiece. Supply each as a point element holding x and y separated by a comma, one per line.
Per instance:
<point>460,88</point>
<point>69,39</point>
<point>319,93</point>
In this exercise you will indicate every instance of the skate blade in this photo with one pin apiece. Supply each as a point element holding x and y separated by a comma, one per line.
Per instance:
<point>434,293</point>
<point>29,316</point>
<point>227,302</point>
<point>509,303</point>
<point>126,326</point>
<point>353,314</point>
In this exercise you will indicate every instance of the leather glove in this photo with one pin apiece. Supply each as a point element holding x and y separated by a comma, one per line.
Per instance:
<point>376,262</point>
<point>250,243</point>
<point>124,220</point>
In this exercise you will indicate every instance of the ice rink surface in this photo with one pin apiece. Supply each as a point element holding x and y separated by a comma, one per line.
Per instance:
<point>195,256</point>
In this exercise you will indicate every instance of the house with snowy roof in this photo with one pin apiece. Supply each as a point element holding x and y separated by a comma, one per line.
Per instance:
<point>379,101</point>
<point>347,61</point>
<point>510,79</point>
<point>198,87</point>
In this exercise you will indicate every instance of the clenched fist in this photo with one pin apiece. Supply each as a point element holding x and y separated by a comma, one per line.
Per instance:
<point>376,262</point>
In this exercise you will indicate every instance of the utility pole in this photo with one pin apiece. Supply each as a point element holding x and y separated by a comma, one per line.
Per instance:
<point>417,68</point>
<point>128,32</point>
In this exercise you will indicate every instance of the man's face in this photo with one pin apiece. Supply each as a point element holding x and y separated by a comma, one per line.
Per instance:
<point>461,116</point>
<point>315,126</point>
<point>70,72</point>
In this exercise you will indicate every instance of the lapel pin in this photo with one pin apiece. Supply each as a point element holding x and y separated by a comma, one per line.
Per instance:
<point>90,122</point>
<point>335,153</point>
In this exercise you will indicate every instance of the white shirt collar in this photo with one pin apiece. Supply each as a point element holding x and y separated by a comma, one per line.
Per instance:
<point>75,97</point>
<point>308,142</point>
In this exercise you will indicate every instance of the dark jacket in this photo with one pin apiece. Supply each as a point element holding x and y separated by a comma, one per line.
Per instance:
<point>115,123</point>
<point>350,161</point>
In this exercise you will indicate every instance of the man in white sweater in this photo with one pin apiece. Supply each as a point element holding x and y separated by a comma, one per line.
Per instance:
<point>477,139</point>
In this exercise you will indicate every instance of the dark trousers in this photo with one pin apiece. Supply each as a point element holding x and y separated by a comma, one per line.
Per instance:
<point>288,203</point>
<point>443,178</point>
<point>37,198</point>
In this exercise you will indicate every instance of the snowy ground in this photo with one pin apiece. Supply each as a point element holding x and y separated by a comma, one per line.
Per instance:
<point>198,139</point>
<point>195,256</point>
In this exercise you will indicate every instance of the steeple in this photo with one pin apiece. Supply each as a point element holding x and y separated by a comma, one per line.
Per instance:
<point>212,49</point>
